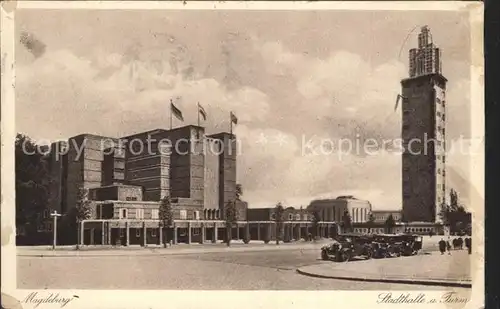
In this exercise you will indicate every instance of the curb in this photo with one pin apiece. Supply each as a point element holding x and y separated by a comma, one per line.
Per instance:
<point>389,280</point>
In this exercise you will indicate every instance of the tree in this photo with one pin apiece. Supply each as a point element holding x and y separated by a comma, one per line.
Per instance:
<point>279,211</point>
<point>32,184</point>
<point>444,212</point>
<point>239,191</point>
<point>230,217</point>
<point>371,220</point>
<point>346,221</point>
<point>453,214</point>
<point>166,217</point>
<point>453,201</point>
<point>315,219</point>
<point>390,223</point>
<point>81,211</point>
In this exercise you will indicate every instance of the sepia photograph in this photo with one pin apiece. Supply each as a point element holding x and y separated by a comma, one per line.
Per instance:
<point>245,149</point>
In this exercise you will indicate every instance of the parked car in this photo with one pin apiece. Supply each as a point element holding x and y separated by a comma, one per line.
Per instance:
<point>385,245</point>
<point>348,246</point>
<point>409,244</point>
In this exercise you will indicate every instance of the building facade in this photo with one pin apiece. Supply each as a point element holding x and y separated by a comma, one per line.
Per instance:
<point>297,224</point>
<point>333,209</point>
<point>381,216</point>
<point>127,177</point>
<point>423,133</point>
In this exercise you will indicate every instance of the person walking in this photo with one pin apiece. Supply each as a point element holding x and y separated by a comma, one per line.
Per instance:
<point>448,246</point>
<point>468,244</point>
<point>442,246</point>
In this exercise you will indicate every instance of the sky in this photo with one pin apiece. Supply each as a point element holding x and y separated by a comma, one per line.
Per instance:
<point>293,78</point>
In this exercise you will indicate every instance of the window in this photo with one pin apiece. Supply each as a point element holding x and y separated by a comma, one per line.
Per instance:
<point>290,217</point>
<point>443,103</point>
<point>438,101</point>
<point>131,198</point>
<point>48,226</point>
<point>438,114</point>
<point>297,217</point>
<point>196,231</point>
<point>197,215</point>
<point>155,214</point>
<point>153,233</point>
<point>45,213</point>
<point>139,213</point>
<point>183,214</point>
<point>439,171</point>
<point>123,214</point>
<point>273,216</point>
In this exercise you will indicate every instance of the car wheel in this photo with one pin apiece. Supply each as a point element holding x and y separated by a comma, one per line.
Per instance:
<point>338,257</point>
<point>345,257</point>
<point>324,255</point>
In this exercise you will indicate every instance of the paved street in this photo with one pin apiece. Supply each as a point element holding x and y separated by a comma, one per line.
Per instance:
<point>252,270</point>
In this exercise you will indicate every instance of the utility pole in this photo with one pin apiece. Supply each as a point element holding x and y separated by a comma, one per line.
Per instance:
<point>54,228</point>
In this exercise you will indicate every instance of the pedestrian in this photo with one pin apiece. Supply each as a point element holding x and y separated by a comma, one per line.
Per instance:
<point>442,246</point>
<point>448,246</point>
<point>461,243</point>
<point>468,244</point>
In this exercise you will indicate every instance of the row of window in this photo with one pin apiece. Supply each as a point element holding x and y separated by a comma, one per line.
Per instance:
<point>292,217</point>
<point>372,230</point>
<point>139,214</point>
<point>419,230</point>
<point>382,230</point>
<point>194,231</point>
<point>439,101</point>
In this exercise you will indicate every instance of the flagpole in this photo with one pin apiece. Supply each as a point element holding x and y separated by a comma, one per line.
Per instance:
<point>231,124</point>
<point>170,114</point>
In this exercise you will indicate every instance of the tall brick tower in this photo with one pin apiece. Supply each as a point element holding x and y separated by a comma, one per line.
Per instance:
<point>423,132</point>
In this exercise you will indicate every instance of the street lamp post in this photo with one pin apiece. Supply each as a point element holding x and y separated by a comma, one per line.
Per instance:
<point>55,215</point>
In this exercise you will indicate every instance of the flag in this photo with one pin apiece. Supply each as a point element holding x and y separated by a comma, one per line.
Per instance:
<point>233,118</point>
<point>397,101</point>
<point>202,111</point>
<point>175,111</point>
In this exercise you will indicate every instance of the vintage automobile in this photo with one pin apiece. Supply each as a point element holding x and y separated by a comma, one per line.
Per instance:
<point>386,245</point>
<point>381,247</point>
<point>409,244</point>
<point>347,247</point>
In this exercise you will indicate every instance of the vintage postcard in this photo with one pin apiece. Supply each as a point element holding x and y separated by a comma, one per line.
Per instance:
<point>242,154</point>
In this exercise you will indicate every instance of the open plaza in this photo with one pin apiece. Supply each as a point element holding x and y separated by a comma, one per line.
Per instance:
<point>287,266</point>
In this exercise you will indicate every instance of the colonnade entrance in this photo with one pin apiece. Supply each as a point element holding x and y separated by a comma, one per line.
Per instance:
<point>149,232</point>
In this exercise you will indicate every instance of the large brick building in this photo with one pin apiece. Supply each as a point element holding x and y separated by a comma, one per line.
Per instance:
<point>423,133</point>
<point>127,177</point>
